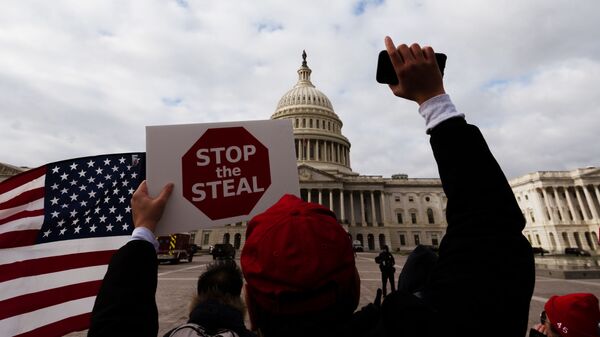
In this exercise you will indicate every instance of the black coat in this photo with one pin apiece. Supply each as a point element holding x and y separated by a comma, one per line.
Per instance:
<point>482,282</point>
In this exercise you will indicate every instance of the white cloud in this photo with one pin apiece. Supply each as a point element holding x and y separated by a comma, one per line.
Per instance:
<point>83,78</point>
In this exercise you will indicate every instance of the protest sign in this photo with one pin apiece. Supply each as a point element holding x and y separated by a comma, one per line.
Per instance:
<point>223,172</point>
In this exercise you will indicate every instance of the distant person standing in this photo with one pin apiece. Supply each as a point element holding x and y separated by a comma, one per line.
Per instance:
<point>386,264</point>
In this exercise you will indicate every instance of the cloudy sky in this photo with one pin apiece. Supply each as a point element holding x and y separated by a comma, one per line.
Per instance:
<point>81,78</point>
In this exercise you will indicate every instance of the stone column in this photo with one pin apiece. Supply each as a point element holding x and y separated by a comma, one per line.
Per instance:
<point>308,195</point>
<point>362,208</point>
<point>352,218</point>
<point>374,220</point>
<point>548,208</point>
<point>581,204</point>
<point>298,153</point>
<point>308,149</point>
<point>318,145</point>
<point>539,206</point>
<point>574,213</point>
<point>590,202</point>
<point>342,213</point>
<point>331,200</point>
<point>320,197</point>
<point>559,208</point>
<point>382,207</point>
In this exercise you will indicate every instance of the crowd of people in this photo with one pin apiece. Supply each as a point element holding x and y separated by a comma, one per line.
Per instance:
<point>292,289</point>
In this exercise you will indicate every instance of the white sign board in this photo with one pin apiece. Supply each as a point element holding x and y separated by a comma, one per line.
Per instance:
<point>223,173</point>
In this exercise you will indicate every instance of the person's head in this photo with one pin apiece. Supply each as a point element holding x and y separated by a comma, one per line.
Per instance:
<point>222,281</point>
<point>572,315</point>
<point>299,268</point>
<point>385,248</point>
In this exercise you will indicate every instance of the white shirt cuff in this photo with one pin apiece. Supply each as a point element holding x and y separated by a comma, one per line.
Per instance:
<point>143,233</point>
<point>438,109</point>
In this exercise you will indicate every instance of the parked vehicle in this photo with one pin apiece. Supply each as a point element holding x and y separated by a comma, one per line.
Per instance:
<point>539,250</point>
<point>576,252</point>
<point>357,246</point>
<point>223,251</point>
<point>174,247</point>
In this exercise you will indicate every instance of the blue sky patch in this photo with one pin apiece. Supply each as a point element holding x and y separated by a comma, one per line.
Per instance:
<point>268,27</point>
<point>172,101</point>
<point>361,6</point>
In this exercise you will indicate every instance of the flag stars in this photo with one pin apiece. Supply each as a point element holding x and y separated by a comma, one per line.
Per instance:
<point>99,171</point>
<point>115,183</point>
<point>82,173</point>
<point>115,191</point>
<point>97,210</point>
<point>112,209</point>
<point>119,218</point>
<point>90,163</point>
<point>73,213</point>
<point>62,231</point>
<point>55,214</point>
<point>64,191</point>
<point>64,206</point>
<point>103,219</point>
<point>121,200</point>
<point>125,227</point>
<point>127,209</point>
<point>55,169</point>
<point>77,229</point>
<point>75,222</point>
<point>73,182</point>
<point>54,186</point>
<point>122,175</point>
<point>125,183</point>
<point>106,161</point>
<point>46,233</point>
<point>60,223</point>
<point>115,168</point>
<point>130,191</point>
<point>122,160</point>
<point>134,175</point>
<point>106,200</point>
<point>91,180</point>
<point>107,177</point>
<point>93,229</point>
<point>83,203</point>
<point>54,201</point>
<point>87,219</point>
<point>100,185</point>
<point>64,176</point>
<point>73,166</point>
<point>73,197</point>
<point>92,194</point>
<point>82,187</point>
<point>109,228</point>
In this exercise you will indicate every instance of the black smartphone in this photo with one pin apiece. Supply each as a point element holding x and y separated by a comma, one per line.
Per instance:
<point>386,73</point>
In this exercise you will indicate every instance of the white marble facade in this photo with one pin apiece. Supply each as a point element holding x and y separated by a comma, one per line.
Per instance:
<point>562,208</point>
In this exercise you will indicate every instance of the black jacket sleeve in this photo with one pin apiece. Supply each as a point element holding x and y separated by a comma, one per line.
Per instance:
<point>126,303</point>
<point>485,268</point>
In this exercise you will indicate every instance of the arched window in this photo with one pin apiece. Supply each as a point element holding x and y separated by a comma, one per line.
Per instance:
<point>578,240</point>
<point>381,241</point>
<point>588,239</point>
<point>430,216</point>
<point>237,240</point>
<point>359,237</point>
<point>552,241</point>
<point>371,241</point>
<point>565,238</point>
<point>226,238</point>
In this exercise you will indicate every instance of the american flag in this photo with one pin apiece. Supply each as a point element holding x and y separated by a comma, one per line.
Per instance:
<point>59,226</point>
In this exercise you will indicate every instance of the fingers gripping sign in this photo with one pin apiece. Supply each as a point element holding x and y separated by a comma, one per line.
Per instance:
<point>418,73</point>
<point>147,210</point>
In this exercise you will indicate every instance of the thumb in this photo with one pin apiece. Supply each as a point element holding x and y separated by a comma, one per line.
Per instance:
<point>165,193</point>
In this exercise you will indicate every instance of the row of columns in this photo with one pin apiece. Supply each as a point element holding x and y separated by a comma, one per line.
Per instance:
<point>322,150</point>
<point>341,211</point>
<point>581,203</point>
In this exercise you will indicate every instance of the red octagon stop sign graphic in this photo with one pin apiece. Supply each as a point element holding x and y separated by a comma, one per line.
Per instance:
<point>226,172</point>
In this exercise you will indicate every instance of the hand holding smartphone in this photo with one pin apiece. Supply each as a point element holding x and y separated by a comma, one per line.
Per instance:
<point>386,73</point>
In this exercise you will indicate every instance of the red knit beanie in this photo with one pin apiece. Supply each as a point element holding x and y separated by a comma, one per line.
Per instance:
<point>298,259</point>
<point>574,315</point>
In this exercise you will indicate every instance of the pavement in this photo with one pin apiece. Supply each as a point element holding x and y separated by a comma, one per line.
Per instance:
<point>177,285</point>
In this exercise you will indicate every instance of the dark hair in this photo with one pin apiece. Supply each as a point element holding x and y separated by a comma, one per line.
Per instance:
<point>221,278</point>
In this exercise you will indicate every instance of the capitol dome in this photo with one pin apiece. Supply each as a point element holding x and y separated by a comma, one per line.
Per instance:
<point>317,129</point>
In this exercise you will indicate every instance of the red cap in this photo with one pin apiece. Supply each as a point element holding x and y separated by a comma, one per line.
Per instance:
<point>298,259</point>
<point>574,315</point>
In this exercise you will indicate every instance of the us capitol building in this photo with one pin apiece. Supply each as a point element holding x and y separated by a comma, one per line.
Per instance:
<point>562,208</point>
